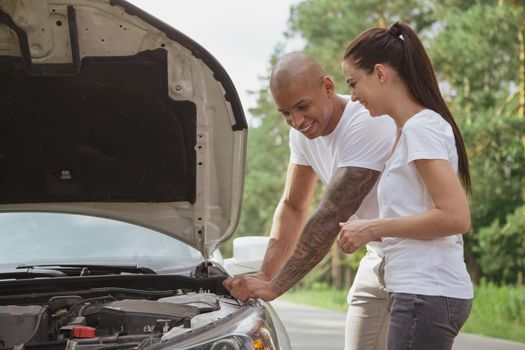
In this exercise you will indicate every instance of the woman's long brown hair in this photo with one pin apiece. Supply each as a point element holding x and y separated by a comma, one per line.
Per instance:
<point>400,47</point>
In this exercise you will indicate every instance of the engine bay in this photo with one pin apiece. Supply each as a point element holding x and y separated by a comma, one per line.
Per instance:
<point>124,310</point>
<point>89,323</point>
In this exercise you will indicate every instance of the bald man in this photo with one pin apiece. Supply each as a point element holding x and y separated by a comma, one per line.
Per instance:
<point>337,141</point>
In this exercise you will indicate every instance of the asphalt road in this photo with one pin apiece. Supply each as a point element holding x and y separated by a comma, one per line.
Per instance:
<point>313,328</point>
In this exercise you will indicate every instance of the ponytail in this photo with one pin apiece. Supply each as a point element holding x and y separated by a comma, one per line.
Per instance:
<point>400,47</point>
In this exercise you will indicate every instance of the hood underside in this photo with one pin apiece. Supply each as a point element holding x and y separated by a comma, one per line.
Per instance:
<point>107,111</point>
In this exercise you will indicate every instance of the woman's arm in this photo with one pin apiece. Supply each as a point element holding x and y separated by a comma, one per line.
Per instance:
<point>451,214</point>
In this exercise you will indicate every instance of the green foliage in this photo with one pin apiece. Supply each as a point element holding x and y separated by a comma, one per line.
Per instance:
<point>497,162</point>
<point>329,25</point>
<point>502,250</point>
<point>475,52</point>
<point>497,167</point>
<point>498,312</point>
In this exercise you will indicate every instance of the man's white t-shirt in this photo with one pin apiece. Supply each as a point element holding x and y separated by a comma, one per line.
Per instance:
<point>358,140</point>
<point>428,267</point>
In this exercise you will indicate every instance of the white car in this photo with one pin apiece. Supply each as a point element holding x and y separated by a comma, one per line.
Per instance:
<point>122,150</point>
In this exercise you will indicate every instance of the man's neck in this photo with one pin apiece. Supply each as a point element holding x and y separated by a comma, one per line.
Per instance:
<point>340,103</point>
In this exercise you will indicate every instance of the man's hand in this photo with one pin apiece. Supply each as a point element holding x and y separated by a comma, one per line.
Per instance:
<point>250,286</point>
<point>356,233</point>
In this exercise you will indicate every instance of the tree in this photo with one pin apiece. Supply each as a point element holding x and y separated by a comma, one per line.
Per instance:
<point>329,25</point>
<point>496,241</point>
<point>475,51</point>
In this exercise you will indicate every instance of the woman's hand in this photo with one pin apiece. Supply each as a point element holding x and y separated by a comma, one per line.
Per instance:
<point>356,233</point>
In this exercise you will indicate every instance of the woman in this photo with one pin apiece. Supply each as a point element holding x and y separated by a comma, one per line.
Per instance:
<point>423,207</point>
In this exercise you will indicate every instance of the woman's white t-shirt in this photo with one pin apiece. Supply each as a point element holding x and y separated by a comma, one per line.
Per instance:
<point>427,267</point>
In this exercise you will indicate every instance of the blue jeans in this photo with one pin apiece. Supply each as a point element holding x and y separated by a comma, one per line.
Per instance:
<point>422,322</point>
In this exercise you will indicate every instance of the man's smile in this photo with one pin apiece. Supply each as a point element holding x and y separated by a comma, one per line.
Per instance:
<point>306,128</point>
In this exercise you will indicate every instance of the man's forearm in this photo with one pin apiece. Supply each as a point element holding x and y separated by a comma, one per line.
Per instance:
<point>314,243</point>
<point>342,198</point>
<point>277,253</point>
<point>287,226</point>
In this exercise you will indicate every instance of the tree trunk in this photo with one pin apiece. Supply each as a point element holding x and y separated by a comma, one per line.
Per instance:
<point>348,276</point>
<point>467,103</point>
<point>521,73</point>
<point>336,271</point>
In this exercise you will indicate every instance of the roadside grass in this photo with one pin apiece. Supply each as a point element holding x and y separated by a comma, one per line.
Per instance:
<point>319,295</point>
<point>498,311</point>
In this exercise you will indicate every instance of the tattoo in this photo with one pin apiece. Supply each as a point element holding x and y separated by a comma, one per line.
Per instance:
<point>342,198</point>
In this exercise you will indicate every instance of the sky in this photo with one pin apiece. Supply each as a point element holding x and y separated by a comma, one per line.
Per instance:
<point>241,34</point>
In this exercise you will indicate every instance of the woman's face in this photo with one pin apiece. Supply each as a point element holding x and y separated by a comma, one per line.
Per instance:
<point>365,88</point>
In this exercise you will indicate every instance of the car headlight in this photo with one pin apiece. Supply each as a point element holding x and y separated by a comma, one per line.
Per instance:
<point>240,343</point>
<point>227,344</point>
<point>250,328</point>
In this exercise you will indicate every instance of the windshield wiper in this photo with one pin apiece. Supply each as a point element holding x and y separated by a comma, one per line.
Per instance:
<point>87,269</point>
<point>30,273</point>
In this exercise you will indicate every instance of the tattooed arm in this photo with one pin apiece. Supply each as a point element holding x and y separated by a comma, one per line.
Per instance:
<point>342,197</point>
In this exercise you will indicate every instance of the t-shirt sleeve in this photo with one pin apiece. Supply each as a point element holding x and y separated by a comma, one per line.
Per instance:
<point>297,155</point>
<point>367,142</point>
<point>427,141</point>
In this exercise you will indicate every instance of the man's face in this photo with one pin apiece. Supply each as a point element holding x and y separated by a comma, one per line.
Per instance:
<point>307,107</point>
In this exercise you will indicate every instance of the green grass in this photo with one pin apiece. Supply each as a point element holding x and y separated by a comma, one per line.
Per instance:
<point>319,295</point>
<point>497,311</point>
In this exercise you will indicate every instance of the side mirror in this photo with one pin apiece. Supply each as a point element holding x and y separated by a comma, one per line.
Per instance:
<point>248,255</point>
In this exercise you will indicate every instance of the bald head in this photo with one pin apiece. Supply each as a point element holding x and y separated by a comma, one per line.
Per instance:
<point>295,68</point>
<point>305,96</point>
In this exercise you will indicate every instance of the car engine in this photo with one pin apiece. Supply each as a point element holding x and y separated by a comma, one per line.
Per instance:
<point>75,322</point>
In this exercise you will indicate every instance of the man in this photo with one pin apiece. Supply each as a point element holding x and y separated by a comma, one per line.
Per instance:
<point>336,140</point>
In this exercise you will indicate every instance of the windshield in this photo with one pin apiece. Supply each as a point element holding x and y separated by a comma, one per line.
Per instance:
<point>51,238</point>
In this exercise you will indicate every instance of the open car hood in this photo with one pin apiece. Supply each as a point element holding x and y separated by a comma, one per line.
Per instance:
<point>109,112</point>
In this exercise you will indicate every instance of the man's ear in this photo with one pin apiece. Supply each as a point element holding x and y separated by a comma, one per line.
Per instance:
<point>327,84</point>
<point>381,73</point>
